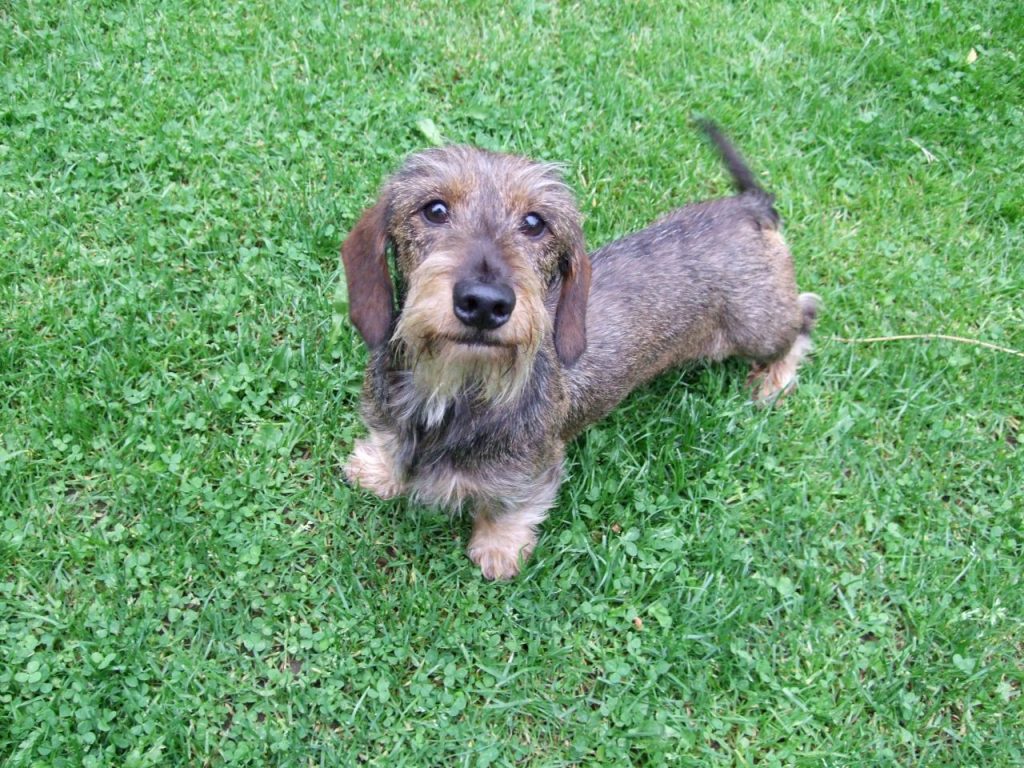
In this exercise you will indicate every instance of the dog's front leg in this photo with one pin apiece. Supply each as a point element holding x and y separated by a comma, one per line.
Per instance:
<point>372,466</point>
<point>505,531</point>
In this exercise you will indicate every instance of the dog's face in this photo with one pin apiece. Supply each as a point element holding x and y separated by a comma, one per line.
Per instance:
<point>479,238</point>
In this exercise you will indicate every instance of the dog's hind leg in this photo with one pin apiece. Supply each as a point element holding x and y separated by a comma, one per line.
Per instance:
<point>778,378</point>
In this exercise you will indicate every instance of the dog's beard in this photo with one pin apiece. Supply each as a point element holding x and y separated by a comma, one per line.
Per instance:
<point>442,370</point>
<point>492,373</point>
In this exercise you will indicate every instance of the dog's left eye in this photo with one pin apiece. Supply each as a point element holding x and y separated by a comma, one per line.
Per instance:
<point>532,225</point>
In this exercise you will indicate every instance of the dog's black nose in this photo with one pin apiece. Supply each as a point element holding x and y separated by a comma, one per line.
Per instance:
<point>483,305</point>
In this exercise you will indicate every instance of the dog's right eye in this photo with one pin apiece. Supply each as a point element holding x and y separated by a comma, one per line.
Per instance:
<point>436,212</point>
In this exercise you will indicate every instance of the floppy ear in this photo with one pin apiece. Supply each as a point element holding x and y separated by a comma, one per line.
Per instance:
<point>571,315</point>
<point>370,296</point>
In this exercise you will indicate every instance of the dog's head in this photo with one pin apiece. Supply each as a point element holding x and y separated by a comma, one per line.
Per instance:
<point>479,239</point>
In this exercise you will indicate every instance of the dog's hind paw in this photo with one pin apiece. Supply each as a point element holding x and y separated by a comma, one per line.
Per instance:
<point>777,379</point>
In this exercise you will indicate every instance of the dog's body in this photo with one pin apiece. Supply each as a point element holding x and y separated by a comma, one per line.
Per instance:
<point>510,340</point>
<point>709,281</point>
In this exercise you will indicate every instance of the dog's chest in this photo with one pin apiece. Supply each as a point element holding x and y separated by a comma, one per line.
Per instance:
<point>456,461</point>
<point>462,438</point>
<point>460,447</point>
<point>470,452</point>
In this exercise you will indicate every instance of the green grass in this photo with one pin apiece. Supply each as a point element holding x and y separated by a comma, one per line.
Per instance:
<point>184,579</point>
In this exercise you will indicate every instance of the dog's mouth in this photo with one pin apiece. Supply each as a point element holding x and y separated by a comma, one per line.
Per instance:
<point>476,340</point>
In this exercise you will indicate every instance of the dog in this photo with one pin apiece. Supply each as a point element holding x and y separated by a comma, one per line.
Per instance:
<point>496,339</point>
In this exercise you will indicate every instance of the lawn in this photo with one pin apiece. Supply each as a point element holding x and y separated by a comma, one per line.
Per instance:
<point>185,579</point>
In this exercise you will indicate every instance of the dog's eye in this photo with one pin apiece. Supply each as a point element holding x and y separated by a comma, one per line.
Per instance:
<point>436,212</point>
<point>533,225</point>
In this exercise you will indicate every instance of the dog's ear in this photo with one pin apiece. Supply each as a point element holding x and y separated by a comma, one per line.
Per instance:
<point>571,315</point>
<point>370,295</point>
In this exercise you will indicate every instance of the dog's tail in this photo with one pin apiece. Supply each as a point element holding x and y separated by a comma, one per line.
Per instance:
<point>738,168</point>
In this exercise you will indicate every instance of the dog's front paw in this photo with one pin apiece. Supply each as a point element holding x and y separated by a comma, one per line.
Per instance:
<point>497,562</point>
<point>500,548</point>
<point>369,468</point>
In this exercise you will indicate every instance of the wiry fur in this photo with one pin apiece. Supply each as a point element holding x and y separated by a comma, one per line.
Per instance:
<point>480,419</point>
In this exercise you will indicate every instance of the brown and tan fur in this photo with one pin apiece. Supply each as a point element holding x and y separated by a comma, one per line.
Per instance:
<point>470,416</point>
